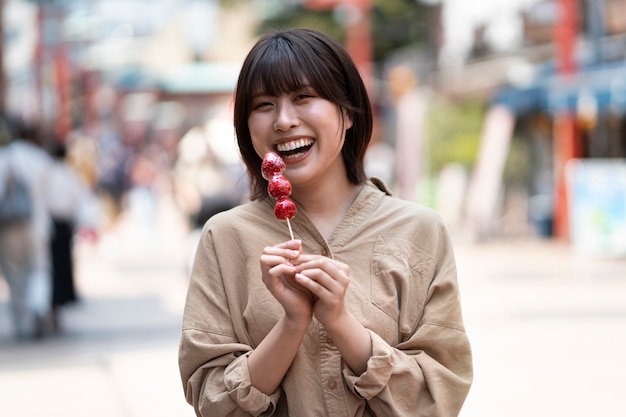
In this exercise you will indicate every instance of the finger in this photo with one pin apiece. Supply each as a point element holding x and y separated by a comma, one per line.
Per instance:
<point>330,266</point>
<point>285,253</point>
<point>270,260</point>
<point>333,284</point>
<point>306,258</point>
<point>295,244</point>
<point>275,276</point>
<point>307,281</point>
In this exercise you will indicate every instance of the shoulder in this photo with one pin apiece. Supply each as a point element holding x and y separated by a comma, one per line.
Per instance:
<point>246,216</point>
<point>243,231</point>
<point>399,219</point>
<point>27,153</point>
<point>246,210</point>
<point>402,210</point>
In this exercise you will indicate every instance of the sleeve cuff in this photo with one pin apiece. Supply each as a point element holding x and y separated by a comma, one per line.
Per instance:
<point>378,372</point>
<point>241,391</point>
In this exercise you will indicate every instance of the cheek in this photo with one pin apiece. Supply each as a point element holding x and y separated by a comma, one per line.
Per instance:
<point>328,115</point>
<point>253,124</point>
<point>260,121</point>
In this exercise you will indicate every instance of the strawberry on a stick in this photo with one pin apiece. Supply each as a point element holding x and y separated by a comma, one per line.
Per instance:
<point>279,188</point>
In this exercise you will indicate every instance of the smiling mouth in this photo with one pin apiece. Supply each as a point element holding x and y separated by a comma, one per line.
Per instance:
<point>294,148</point>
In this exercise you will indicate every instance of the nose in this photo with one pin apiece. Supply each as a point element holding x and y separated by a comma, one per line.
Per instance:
<point>286,117</point>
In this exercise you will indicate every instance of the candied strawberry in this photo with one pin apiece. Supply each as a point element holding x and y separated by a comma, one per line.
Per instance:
<point>285,209</point>
<point>279,186</point>
<point>272,164</point>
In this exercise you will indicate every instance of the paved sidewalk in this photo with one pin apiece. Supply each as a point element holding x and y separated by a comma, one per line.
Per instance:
<point>548,329</point>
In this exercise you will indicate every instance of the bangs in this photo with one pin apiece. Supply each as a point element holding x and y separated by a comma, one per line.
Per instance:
<point>281,68</point>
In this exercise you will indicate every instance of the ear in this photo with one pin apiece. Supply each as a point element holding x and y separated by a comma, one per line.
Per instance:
<point>347,120</point>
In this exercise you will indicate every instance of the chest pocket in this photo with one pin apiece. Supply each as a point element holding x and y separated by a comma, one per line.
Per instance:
<point>401,274</point>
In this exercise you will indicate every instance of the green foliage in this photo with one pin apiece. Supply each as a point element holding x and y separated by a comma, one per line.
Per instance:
<point>454,130</point>
<point>395,23</point>
<point>517,168</point>
<point>298,16</point>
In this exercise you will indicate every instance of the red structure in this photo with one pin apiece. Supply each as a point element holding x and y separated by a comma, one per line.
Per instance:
<point>566,141</point>
<point>358,31</point>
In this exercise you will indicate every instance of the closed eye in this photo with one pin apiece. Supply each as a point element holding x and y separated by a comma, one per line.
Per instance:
<point>261,105</point>
<point>305,92</point>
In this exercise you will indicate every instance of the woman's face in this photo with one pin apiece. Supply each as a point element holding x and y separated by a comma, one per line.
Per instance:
<point>307,130</point>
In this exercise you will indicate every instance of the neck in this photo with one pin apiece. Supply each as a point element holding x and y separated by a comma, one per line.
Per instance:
<point>326,206</point>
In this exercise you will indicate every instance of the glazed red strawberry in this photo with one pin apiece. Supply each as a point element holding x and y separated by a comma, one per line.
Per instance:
<point>272,164</point>
<point>279,186</point>
<point>285,209</point>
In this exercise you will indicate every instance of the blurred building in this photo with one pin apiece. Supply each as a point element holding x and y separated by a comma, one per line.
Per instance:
<point>564,86</point>
<point>59,55</point>
<point>130,76</point>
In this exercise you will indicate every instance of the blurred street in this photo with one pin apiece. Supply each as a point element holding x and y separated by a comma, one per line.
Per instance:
<point>548,328</point>
<point>501,115</point>
<point>117,356</point>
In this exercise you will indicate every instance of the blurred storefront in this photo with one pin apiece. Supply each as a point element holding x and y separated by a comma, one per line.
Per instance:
<point>573,107</point>
<point>562,89</point>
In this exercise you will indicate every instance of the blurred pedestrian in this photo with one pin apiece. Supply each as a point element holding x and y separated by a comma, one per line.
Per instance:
<point>209,176</point>
<point>71,205</point>
<point>360,315</point>
<point>411,105</point>
<point>24,243</point>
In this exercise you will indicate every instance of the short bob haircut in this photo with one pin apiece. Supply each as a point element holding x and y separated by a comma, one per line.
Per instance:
<point>284,61</point>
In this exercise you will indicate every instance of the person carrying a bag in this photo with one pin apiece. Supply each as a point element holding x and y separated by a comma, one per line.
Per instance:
<point>25,231</point>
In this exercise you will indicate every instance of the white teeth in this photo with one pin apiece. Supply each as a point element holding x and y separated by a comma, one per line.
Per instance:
<point>295,144</point>
<point>293,156</point>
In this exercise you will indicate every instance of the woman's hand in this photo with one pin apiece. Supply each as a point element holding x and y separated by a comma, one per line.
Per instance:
<point>328,280</point>
<point>271,359</point>
<point>278,276</point>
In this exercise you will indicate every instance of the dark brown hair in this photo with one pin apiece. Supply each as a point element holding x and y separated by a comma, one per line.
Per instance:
<point>283,61</point>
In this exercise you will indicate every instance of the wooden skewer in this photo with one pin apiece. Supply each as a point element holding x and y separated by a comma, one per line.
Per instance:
<point>290,230</point>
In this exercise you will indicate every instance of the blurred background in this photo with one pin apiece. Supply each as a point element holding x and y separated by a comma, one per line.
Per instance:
<point>508,117</point>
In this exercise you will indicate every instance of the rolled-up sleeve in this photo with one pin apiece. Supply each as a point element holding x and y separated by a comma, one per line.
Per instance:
<point>212,362</point>
<point>431,368</point>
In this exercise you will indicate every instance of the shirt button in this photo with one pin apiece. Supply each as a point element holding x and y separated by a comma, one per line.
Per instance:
<point>324,252</point>
<point>332,384</point>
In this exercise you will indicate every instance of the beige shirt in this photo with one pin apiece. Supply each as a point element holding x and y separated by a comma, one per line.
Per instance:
<point>403,289</point>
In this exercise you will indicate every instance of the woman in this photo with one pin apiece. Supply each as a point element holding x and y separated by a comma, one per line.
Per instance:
<point>358,316</point>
